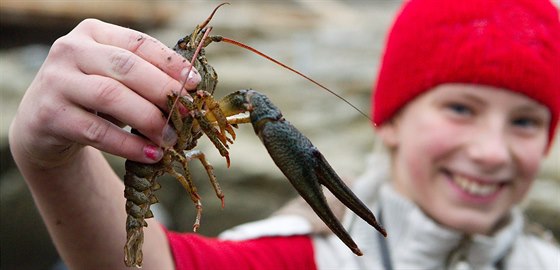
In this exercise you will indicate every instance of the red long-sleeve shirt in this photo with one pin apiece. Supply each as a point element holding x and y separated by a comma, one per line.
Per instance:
<point>191,251</point>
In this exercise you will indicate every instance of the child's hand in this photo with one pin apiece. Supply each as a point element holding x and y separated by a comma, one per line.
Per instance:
<point>95,80</point>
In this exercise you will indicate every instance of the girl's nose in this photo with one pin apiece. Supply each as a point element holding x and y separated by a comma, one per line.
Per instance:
<point>489,147</point>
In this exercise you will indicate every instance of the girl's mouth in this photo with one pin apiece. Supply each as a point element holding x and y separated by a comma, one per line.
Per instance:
<point>471,188</point>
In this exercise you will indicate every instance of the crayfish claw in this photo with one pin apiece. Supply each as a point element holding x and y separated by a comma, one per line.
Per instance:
<point>342,192</point>
<point>308,186</point>
<point>301,162</point>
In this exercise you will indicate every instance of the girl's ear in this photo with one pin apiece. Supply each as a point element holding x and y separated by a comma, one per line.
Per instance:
<point>388,132</point>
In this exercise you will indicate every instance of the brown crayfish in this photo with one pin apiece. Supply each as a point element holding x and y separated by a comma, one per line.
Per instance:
<point>300,161</point>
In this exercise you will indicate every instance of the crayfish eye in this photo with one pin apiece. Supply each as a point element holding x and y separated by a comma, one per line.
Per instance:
<point>182,43</point>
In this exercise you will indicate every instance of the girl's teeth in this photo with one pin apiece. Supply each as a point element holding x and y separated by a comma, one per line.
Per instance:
<point>473,187</point>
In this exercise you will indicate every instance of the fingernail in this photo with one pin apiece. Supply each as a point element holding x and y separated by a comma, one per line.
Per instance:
<point>153,152</point>
<point>182,110</point>
<point>169,136</point>
<point>193,79</point>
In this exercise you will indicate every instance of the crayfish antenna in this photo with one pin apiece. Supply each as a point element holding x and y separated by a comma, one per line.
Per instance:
<point>204,23</point>
<point>247,47</point>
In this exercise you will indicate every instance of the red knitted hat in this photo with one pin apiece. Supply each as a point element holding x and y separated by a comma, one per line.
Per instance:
<point>512,44</point>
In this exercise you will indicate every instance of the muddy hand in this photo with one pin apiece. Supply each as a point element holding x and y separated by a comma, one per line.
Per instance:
<point>300,161</point>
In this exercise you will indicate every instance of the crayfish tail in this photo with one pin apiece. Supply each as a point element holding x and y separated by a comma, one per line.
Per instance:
<point>133,255</point>
<point>139,181</point>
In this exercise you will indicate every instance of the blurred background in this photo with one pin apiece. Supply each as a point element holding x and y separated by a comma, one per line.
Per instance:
<point>337,43</point>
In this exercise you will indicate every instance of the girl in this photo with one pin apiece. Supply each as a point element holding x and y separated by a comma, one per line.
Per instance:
<point>467,102</point>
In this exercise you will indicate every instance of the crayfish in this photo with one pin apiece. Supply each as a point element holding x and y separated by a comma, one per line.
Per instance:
<point>300,161</point>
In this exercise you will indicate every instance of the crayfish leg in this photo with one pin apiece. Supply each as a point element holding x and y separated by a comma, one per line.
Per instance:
<point>196,225</point>
<point>183,125</point>
<point>186,180</point>
<point>174,114</point>
<point>208,129</point>
<point>197,154</point>
<point>214,113</point>
<point>187,184</point>
<point>239,119</point>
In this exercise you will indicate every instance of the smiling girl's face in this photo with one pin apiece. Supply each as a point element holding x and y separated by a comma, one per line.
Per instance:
<point>467,153</point>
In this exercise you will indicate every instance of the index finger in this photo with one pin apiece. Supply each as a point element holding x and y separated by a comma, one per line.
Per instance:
<point>145,46</point>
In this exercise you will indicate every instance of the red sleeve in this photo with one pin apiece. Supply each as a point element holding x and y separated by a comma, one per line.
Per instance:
<point>192,251</point>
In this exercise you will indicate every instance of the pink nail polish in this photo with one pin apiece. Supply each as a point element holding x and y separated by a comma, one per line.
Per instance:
<point>182,110</point>
<point>153,152</point>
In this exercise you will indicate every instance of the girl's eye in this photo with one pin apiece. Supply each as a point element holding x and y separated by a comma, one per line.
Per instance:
<point>527,122</point>
<point>460,109</point>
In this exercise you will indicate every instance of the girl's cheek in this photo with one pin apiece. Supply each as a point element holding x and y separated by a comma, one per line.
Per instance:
<point>528,152</point>
<point>438,137</point>
<point>426,143</point>
<point>529,159</point>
